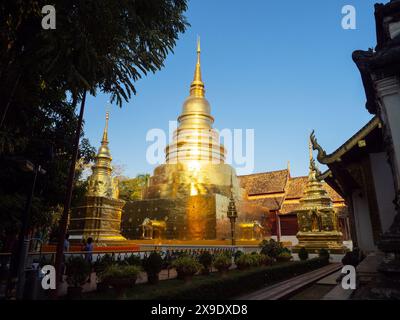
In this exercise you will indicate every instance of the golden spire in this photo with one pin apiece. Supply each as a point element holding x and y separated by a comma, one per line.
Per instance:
<point>197,86</point>
<point>105,132</point>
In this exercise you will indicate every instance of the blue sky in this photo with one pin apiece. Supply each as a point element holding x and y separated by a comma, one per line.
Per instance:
<point>281,68</point>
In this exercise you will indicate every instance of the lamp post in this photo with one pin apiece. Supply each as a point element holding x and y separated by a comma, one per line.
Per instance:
<point>232,215</point>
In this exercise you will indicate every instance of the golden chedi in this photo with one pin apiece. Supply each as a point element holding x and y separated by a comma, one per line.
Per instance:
<point>100,215</point>
<point>190,192</point>
<point>317,220</point>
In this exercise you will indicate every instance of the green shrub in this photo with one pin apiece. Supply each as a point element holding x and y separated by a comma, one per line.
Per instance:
<point>153,265</point>
<point>271,248</point>
<point>222,262</point>
<point>186,266</point>
<point>238,254</point>
<point>324,254</point>
<point>246,261</point>
<point>103,263</point>
<point>353,258</point>
<point>284,256</point>
<point>133,260</point>
<point>255,259</point>
<point>303,254</point>
<point>78,271</point>
<point>266,260</point>
<point>206,259</point>
<point>236,283</point>
<point>117,272</point>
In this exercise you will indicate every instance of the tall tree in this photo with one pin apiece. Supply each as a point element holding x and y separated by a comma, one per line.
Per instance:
<point>97,45</point>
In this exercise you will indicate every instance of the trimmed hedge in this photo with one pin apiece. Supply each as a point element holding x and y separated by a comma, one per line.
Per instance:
<point>234,284</point>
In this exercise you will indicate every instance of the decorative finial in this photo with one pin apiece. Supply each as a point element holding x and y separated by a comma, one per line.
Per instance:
<point>105,132</point>
<point>197,86</point>
<point>288,166</point>
<point>198,46</point>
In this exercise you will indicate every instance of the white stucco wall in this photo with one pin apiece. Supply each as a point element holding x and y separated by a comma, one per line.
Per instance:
<point>384,186</point>
<point>363,222</point>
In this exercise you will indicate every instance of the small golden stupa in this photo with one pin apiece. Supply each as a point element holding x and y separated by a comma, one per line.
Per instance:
<point>317,220</point>
<point>187,197</point>
<point>100,215</point>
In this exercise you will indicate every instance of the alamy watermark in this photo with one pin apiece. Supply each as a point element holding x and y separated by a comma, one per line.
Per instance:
<point>349,20</point>
<point>49,20</point>
<point>349,279</point>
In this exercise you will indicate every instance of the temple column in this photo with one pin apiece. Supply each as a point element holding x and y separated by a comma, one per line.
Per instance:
<point>388,93</point>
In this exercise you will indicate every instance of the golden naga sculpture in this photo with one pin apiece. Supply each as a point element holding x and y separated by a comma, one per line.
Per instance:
<point>317,219</point>
<point>100,215</point>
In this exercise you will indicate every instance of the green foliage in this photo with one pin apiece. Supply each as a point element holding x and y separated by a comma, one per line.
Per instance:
<point>222,262</point>
<point>266,260</point>
<point>323,253</point>
<point>303,254</point>
<point>353,258</point>
<point>216,288</point>
<point>153,264</point>
<point>272,248</point>
<point>246,261</point>
<point>284,256</point>
<point>131,189</point>
<point>186,266</point>
<point>117,272</point>
<point>103,263</point>
<point>78,271</point>
<point>133,260</point>
<point>97,46</point>
<point>206,259</point>
<point>238,254</point>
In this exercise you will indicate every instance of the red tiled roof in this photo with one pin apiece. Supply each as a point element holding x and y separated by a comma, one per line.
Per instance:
<point>269,203</point>
<point>264,183</point>
<point>289,208</point>
<point>296,187</point>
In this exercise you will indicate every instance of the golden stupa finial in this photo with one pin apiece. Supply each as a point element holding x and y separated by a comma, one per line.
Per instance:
<point>197,86</point>
<point>105,132</point>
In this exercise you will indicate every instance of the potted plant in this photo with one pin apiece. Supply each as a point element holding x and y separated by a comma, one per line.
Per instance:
<point>153,265</point>
<point>99,267</point>
<point>271,248</point>
<point>245,261</point>
<point>237,254</point>
<point>266,260</point>
<point>186,267</point>
<point>284,256</point>
<point>78,271</point>
<point>324,254</point>
<point>303,254</point>
<point>120,277</point>
<point>206,259</point>
<point>222,263</point>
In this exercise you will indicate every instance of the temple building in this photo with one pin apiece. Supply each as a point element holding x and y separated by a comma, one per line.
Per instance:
<point>187,197</point>
<point>365,170</point>
<point>99,216</point>
<point>280,195</point>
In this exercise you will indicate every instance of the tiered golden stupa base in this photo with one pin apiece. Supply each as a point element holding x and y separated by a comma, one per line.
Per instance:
<point>315,241</point>
<point>98,218</point>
